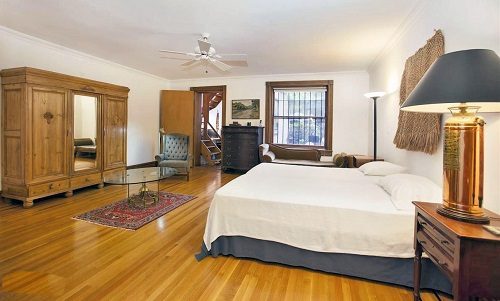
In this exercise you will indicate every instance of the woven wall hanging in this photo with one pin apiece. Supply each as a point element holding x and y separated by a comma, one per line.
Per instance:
<point>419,131</point>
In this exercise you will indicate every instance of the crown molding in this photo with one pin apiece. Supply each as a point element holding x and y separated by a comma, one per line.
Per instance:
<point>401,31</point>
<point>321,75</point>
<point>57,47</point>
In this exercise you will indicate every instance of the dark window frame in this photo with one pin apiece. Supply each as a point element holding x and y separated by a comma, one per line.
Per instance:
<point>327,84</point>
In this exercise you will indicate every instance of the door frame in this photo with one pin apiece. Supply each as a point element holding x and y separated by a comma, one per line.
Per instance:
<point>197,112</point>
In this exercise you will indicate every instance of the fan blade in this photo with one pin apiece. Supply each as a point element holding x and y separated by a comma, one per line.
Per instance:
<point>179,52</point>
<point>232,56</point>
<point>235,63</point>
<point>191,62</point>
<point>204,46</point>
<point>222,66</point>
<point>176,58</point>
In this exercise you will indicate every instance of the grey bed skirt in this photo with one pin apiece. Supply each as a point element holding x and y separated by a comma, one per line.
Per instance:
<point>397,271</point>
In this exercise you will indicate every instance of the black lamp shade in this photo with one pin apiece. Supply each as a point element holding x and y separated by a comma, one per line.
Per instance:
<point>468,76</point>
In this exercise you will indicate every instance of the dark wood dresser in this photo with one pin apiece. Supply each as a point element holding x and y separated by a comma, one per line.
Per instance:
<point>467,253</point>
<point>240,147</point>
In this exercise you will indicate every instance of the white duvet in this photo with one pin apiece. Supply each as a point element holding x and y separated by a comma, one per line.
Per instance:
<point>335,210</point>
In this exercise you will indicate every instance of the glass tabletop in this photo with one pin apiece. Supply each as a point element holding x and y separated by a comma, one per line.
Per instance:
<point>139,175</point>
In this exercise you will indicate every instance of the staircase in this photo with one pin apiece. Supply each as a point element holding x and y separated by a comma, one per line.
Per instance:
<point>210,152</point>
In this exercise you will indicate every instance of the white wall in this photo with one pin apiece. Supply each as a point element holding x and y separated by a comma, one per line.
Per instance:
<point>465,24</point>
<point>351,122</point>
<point>18,50</point>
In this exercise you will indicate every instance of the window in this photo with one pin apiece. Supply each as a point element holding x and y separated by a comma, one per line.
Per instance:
<point>299,113</point>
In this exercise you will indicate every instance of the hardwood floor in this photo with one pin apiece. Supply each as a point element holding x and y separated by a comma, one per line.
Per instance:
<point>46,255</point>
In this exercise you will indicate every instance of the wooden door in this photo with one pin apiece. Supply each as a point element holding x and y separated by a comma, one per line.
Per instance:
<point>199,91</point>
<point>48,139</point>
<point>177,114</point>
<point>115,132</point>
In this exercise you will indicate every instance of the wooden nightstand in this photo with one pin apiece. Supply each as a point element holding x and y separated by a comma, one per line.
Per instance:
<point>467,253</point>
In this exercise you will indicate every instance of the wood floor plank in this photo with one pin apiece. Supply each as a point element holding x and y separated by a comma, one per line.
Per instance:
<point>47,255</point>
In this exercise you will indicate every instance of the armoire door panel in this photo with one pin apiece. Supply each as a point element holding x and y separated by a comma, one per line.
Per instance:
<point>12,128</point>
<point>115,132</point>
<point>13,100</point>
<point>12,167</point>
<point>49,133</point>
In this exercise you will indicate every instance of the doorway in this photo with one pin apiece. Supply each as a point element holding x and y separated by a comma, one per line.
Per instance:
<point>209,117</point>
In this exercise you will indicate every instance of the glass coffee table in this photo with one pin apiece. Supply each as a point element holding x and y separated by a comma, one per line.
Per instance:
<point>144,196</point>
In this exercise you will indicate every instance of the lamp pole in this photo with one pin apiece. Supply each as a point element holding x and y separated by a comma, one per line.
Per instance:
<point>374,96</point>
<point>375,128</point>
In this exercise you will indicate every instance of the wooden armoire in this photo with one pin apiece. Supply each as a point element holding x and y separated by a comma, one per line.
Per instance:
<point>59,133</point>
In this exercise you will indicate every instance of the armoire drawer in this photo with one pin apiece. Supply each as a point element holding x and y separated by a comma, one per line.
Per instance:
<point>85,180</point>
<point>47,188</point>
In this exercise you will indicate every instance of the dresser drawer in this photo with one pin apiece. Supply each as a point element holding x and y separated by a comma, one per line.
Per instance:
<point>443,239</point>
<point>435,252</point>
<point>85,180</point>
<point>48,188</point>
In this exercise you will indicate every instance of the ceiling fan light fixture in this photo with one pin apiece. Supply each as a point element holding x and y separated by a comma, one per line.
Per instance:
<point>204,52</point>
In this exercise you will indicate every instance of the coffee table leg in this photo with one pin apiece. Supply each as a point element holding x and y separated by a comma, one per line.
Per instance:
<point>158,191</point>
<point>128,194</point>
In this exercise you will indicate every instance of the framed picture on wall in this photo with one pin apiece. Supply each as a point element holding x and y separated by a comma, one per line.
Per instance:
<point>245,109</point>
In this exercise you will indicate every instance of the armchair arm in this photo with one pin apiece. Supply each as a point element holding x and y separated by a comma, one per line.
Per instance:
<point>159,158</point>
<point>350,161</point>
<point>268,157</point>
<point>263,149</point>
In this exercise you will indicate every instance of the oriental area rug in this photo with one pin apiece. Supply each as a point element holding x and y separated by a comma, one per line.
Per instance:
<point>131,217</point>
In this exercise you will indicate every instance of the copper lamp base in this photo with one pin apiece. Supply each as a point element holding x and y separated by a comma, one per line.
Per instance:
<point>463,157</point>
<point>463,216</point>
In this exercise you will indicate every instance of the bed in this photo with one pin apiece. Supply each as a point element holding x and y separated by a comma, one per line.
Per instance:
<point>336,220</point>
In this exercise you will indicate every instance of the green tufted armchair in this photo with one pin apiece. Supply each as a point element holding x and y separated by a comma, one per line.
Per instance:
<point>175,153</point>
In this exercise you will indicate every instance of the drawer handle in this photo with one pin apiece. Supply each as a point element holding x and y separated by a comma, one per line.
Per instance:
<point>423,223</point>
<point>423,242</point>
<point>445,242</point>
<point>51,186</point>
<point>87,180</point>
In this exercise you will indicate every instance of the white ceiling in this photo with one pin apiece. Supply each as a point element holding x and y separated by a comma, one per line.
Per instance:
<point>280,36</point>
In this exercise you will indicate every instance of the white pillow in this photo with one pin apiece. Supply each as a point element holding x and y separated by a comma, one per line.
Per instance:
<point>406,188</point>
<point>381,168</point>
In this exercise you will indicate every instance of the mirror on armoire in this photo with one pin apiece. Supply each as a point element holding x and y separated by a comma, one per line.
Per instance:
<point>85,132</point>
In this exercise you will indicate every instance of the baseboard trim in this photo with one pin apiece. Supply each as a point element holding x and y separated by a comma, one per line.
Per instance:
<point>142,165</point>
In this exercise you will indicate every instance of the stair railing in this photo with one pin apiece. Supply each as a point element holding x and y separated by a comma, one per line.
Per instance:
<point>211,138</point>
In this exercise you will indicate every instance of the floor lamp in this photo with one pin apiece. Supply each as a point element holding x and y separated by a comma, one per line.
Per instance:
<point>374,96</point>
<point>462,82</point>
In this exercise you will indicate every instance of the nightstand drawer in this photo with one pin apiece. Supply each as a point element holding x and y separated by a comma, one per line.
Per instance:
<point>435,252</point>
<point>440,237</point>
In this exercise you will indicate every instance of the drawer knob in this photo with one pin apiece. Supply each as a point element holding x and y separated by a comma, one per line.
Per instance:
<point>51,186</point>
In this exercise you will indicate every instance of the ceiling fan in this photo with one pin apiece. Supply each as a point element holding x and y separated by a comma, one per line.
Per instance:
<point>205,54</point>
